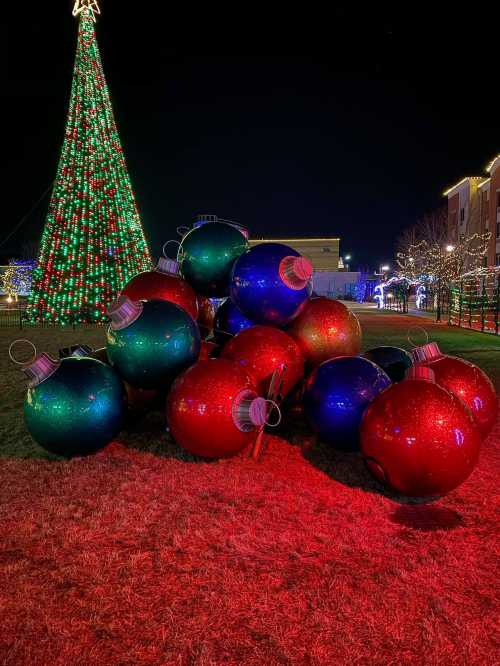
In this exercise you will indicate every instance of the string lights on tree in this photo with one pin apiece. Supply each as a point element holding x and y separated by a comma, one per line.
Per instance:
<point>429,262</point>
<point>93,241</point>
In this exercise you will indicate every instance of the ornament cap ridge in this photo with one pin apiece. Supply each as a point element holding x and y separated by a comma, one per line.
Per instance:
<point>123,312</point>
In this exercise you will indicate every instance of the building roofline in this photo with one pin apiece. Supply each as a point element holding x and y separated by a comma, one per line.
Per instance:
<point>489,168</point>
<point>460,183</point>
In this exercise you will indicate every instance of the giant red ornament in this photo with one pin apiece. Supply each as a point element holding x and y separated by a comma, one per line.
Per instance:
<point>465,380</point>
<point>260,350</point>
<point>163,284</point>
<point>325,329</point>
<point>418,438</point>
<point>213,409</point>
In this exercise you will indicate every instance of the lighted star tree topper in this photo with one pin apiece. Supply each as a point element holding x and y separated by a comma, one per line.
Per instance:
<point>93,241</point>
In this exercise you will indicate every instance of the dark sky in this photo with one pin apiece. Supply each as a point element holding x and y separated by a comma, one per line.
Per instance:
<point>288,120</point>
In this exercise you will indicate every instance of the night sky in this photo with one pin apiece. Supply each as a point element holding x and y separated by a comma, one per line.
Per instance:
<point>289,121</point>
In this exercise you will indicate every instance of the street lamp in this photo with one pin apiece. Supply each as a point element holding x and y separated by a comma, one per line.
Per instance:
<point>449,248</point>
<point>385,268</point>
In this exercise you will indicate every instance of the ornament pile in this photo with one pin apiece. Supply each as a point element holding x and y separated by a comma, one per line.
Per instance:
<point>225,334</point>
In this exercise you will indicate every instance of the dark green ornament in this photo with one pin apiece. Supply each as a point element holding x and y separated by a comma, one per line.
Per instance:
<point>207,254</point>
<point>77,408</point>
<point>161,342</point>
<point>393,360</point>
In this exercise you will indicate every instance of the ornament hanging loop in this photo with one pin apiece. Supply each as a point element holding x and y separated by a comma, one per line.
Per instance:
<point>182,231</point>
<point>14,359</point>
<point>409,336</point>
<point>273,406</point>
<point>165,245</point>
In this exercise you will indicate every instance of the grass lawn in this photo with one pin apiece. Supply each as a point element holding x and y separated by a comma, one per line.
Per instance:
<point>142,554</point>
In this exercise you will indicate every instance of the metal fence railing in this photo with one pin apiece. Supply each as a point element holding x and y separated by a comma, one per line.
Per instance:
<point>17,318</point>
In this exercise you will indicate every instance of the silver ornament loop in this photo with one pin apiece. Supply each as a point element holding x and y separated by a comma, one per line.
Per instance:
<point>16,342</point>
<point>409,336</point>
<point>165,245</point>
<point>182,231</point>
<point>273,405</point>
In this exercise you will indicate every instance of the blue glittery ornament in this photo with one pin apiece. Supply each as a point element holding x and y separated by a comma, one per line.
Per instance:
<point>271,283</point>
<point>336,396</point>
<point>229,321</point>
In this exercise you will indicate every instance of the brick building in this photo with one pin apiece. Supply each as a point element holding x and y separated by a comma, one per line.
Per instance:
<point>474,207</point>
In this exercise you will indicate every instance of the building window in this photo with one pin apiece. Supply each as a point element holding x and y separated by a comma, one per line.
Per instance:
<point>498,229</point>
<point>462,214</point>
<point>498,198</point>
<point>497,260</point>
<point>326,249</point>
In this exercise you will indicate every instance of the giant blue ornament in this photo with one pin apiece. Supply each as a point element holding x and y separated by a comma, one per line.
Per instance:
<point>271,283</point>
<point>207,254</point>
<point>336,396</point>
<point>229,321</point>
<point>74,406</point>
<point>149,343</point>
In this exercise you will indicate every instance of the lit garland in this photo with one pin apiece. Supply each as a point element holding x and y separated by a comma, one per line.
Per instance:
<point>93,241</point>
<point>424,262</point>
<point>475,300</point>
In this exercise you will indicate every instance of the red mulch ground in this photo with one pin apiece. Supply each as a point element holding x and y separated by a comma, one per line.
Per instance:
<point>129,558</point>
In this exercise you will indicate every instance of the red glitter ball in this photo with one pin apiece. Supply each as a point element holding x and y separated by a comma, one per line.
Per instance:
<point>208,350</point>
<point>260,350</point>
<point>419,439</point>
<point>200,408</point>
<point>472,386</point>
<point>152,285</point>
<point>325,329</point>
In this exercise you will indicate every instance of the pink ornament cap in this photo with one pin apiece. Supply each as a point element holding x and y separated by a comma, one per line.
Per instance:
<point>295,272</point>
<point>40,369</point>
<point>249,411</point>
<point>426,353</point>
<point>168,266</point>
<point>123,312</point>
<point>421,372</point>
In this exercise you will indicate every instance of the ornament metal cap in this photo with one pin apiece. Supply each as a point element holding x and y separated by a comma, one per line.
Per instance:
<point>168,266</point>
<point>40,369</point>
<point>82,351</point>
<point>295,272</point>
<point>428,352</point>
<point>124,312</point>
<point>249,411</point>
<point>421,372</point>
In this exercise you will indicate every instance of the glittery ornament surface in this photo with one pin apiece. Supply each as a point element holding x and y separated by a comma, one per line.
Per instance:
<point>393,360</point>
<point>200,408</point>
<point>229,320</point>
<point>325,329</point>
<point>156,347</point>
<point>207,255</point>
<point>472,386</point>
<point>419,439</point>
<point>154,285</point>
<point>78,409</point>
<point>336,396</point>
<point>261,350</point>
<point>258,289</point>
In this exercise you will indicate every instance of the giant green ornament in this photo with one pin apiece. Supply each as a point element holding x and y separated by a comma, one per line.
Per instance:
<point>149,343</point>
<point>207,254</point>
<point>74,406</point>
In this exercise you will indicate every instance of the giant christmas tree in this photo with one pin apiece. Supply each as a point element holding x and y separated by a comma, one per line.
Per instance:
<point>93,240</point>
